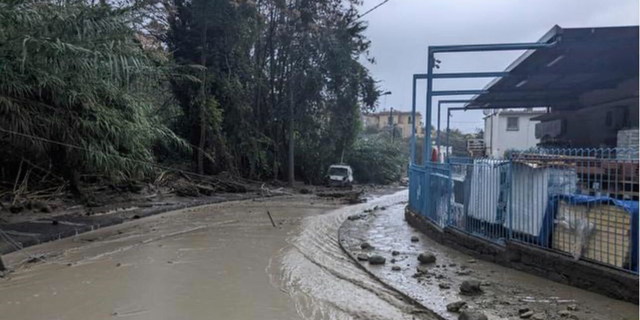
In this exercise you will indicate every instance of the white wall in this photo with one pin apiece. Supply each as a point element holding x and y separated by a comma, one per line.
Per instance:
<point>498,140</point>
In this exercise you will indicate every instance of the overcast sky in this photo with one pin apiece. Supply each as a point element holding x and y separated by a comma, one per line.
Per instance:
<point>401,30</point>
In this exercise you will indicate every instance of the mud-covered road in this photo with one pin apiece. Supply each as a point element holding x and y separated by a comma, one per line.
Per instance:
<point>224,261</point>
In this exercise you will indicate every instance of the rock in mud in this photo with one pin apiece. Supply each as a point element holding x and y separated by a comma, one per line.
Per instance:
<point>16,208</point>
<point>415,239</point>
<point>426,258</point>
<point>472,315</point>
<point>356,217</point>
<point>572,307</point>
<point>377,260</point>
<point>395,253</point>
<point>539,316</point>
<point>444,286</point>
<point>470,288</point>
<point>363,257</point>
<point>366,246</point>
<point>396,268</point>
<point>525,313</point>
<point>456,306</point>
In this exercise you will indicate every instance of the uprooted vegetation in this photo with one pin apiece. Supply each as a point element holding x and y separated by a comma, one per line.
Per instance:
<point>204,96</point>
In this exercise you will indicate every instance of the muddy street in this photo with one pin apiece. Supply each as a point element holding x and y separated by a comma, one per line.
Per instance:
<point>224,261</point>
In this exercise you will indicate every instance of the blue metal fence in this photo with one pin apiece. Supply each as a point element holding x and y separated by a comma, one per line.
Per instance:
<point>583,203</point>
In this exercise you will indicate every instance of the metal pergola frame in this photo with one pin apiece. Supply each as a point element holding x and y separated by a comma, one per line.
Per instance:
<point>430,76</point>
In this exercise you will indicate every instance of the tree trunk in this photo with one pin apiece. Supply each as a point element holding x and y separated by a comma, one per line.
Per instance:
<point>291,139</point>
<point>203,105</point>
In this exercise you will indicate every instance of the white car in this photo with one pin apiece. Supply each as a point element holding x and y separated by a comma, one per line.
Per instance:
<point>339,175</point>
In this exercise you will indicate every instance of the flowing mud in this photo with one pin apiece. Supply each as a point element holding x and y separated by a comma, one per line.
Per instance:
<point>223,261</point>
<point>325,283</point>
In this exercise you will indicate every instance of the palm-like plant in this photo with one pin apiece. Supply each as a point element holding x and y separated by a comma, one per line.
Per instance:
<point>74,88</point>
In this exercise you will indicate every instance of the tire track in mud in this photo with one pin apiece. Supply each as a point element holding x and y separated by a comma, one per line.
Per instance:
<point>325,283</point>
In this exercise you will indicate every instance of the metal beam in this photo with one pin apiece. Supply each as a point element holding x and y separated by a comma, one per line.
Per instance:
<point>459,75</point>
<point>492,47</point>
<point>457,92</point>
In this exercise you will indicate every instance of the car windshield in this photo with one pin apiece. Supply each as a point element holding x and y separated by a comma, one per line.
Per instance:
<point>338,171</point>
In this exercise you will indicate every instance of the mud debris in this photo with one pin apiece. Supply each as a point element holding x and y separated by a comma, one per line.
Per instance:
<point>426,258</point>
<point>456,306</point>
<point>377,260</point>
<point>470,288</point>
<point>472,315</point>
<point>366,246</point>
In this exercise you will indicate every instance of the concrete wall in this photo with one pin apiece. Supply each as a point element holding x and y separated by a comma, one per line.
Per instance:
<point>498,139</point>
<point>544,263</point>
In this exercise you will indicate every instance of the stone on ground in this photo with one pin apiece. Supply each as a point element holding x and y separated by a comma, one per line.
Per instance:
<point>456,306</point>
<point>444,286</point>
<point>539,316</point>
<point>377,260</point>
<point>472,315</point>
<point>363,257</point>
<point>366,246</point>
<point>395,253</point>
<point>470,288</point>
<point>526,314</point>
<point>396,268</point>
<point>426,257</point>
<point>414,239</point>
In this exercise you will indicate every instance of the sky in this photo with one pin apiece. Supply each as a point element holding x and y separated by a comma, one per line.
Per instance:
<point>401,31</point>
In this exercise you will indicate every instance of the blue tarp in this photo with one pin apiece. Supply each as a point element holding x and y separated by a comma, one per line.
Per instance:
<point>630,206</point>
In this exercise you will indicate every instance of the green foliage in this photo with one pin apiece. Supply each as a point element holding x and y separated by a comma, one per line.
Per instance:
<point>76,74</point>
<point>377,160</point>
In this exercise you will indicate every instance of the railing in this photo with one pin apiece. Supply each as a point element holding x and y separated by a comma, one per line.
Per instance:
<point>583,203</point>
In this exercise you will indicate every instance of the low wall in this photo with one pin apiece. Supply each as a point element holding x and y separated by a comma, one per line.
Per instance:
<point>553,266</point>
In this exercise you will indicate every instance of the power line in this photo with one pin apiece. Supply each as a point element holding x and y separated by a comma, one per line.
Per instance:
<point>374,8</point>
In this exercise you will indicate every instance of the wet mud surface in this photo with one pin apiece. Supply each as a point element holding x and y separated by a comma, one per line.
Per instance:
<point>222,261</point>
<point>506,292</point>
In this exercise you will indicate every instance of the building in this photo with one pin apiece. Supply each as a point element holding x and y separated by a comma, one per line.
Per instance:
<point>589,81</point>
<point>510,130</point>
<point>401,120</point>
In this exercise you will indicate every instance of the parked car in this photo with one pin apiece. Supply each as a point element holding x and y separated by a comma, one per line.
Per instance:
<point>339,175</point>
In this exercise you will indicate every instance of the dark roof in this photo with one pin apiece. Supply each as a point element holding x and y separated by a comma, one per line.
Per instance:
<point>581,61</point>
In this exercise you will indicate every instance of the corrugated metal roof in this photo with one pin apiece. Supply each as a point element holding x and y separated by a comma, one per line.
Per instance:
<point>583,60</point>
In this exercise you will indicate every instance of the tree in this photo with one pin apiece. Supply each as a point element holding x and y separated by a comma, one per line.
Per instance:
<point>75,88</point>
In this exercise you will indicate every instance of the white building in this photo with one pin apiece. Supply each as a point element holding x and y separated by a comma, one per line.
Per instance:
<point>509,129</point>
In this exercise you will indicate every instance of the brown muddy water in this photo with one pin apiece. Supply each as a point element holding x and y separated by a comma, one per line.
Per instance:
<point>224,261</point>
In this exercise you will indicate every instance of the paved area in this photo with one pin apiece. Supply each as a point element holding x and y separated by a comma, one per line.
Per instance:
<point>506,293</point>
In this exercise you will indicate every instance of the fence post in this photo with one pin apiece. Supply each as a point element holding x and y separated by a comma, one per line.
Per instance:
<point>510,199</point>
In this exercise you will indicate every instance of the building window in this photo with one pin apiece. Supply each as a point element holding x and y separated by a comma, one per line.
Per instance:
<point>410,120</point>
<point>512,124</point>
<point>390,120</point>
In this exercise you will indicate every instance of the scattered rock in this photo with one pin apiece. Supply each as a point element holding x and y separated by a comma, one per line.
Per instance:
<point>46,209</point>
<point>393,260</point>
<point>523,310</point>
<point>538,316</point>
<point>377,260</point>
<point>356,217</point>
<point>452,264</point>
<point>363,257</point>
<point>383,208</point>
<point>526,314</point>
<point>444,286</point>
<point>463,272</point>
<point>366,246</point>
<point>305,191</point>
<point>471,261</point>
<point>396,268</point>
<point>54,223</point>
<point>572,307</point>
<point>564,313</point>
<point>426,258</point>
<point>415,239</point>
<point>456,306</point>
<point>472,315</point>
<point>118,264</point>
<point>470,288</point>
<point>395,253</point>
<point>135,217</point>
